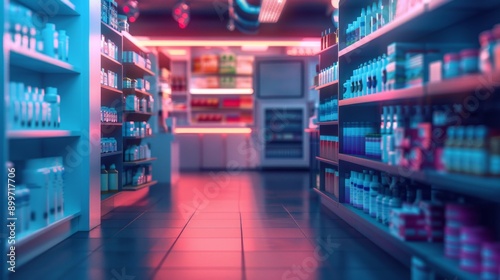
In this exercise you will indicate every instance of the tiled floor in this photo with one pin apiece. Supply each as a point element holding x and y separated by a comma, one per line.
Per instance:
<point>249,225</point>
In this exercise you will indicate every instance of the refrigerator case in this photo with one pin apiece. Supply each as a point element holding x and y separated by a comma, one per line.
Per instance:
<point>285,142</point>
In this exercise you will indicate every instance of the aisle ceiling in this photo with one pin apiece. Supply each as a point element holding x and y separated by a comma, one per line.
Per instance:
<point>300,18</point>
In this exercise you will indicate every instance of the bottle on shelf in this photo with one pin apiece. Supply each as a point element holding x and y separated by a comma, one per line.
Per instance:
<point>374,192</point>
<point>366,193</point>
<point>104,179</point>
<point>113,178</point>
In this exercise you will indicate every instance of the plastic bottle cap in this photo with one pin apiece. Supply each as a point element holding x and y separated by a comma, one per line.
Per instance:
<point>112,166</point>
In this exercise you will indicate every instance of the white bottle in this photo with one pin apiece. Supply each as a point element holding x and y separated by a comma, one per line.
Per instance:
<point>54,101</point>
<point>37,104</point>
<point>386,207</point>
<point>104,179</point>
<point>36,177</point>
<point>366,193</point>
<point>113,178</point>
<point>60,189</point>
<point>360,192</point>
<point>374,191</point>
<point>48,35</point>
<point>63,45</point>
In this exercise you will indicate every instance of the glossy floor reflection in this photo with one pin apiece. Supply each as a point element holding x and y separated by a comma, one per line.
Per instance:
<point>249,225</point>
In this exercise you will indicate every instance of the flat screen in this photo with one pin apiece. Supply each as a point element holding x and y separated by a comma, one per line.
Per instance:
<point>280,79</point>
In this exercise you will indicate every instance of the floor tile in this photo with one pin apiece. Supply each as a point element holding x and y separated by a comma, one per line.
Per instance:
<point>203,259</point>
<point>200,274</point>
<point>211,233</point>
<point>208,244</point>
<point>272,233</point>
<point>277,244</point>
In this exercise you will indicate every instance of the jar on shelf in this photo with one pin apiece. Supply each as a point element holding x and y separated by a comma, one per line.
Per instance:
<point>487,41</point>
<point>469,61</point>
<point>451,65</point>
<point>123,23</point>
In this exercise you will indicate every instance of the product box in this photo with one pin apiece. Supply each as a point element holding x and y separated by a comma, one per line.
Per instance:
<point>396,63</point>
<point>209,63</point>
<point>244,64</point>
<point>227,63</point>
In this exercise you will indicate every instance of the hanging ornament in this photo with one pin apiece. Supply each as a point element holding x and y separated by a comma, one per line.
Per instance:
<point>181,14</point>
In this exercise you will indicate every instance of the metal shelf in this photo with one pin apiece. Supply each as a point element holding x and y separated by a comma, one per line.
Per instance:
<point>329,161</point>
<point>464,84</point>
<point>138,113</point>
<point>108,60</point>
<point>138,162</point>
<point>109,30</point>
<point>136,91</point>
<point>136,137</point>
<point>326,85</point>
<point>380,166</point>
<point>323,51</point>
<point>108,89</point>
<point>39,62</point>
<point>35,134</point>
<point>398,24</point>
<point>111,154</point>
<point>134,70</point>
<point>132,44</point>
<point>476,186</point>
<point>393,95</point>
<point>328,123</point>
<point>431,253</point>
<point>63,7</point>
<point>32,235</point>
<point>111,124</point>
<point>135,188</point>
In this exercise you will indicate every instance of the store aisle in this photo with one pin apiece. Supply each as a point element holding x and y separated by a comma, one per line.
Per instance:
<point>246,225</point>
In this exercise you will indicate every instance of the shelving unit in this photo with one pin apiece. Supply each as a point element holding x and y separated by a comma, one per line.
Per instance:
<point>437,21</point>
<point>136,71</point>
<point>327,57</point>
<point>76,81</point>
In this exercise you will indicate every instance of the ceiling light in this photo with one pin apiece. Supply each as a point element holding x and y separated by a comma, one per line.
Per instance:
<point>335,4</point>
<point>270,10</point>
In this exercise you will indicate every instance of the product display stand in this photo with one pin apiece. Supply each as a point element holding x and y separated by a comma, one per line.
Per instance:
<point>75,140</point>
<point>426,23</point>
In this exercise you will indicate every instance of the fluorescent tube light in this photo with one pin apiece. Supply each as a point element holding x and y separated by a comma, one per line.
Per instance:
<point>270,10</point>
<point>213,91</point>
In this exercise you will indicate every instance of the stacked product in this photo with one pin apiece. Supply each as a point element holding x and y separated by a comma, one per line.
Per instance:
<point>109,178</point>
<point>329,74</point>
<point>109,13</point>
<point>329,110</point>
<point>109,48</point>
<point>135,153</point>
<point>109,78</point>
<point>457,217</point>
<point>408,224</point>
<point>140,84</point>
<point>480,159</point>
<point>329,146</point>
<point>367,78</point>
<point>490,261</point>
<point>31,108</point>
<point>140,105</point>
<point>471,240</point>
<point>109,145</point>
<point>139,59</point>
<point>138,176</point>
<point>332,181</point>
<point>434,220</point>
<point>355,137</point>
<point>328,39</point>
<point>25,35</point>
<point>227,63</point>
<point>44,179</point>
<point>109,115</point>
<point>137,129</point>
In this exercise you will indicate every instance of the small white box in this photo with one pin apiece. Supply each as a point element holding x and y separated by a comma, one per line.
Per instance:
<point>435,71</point>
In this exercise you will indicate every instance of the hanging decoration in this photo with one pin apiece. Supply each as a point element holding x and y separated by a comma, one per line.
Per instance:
<point>182,14</point>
